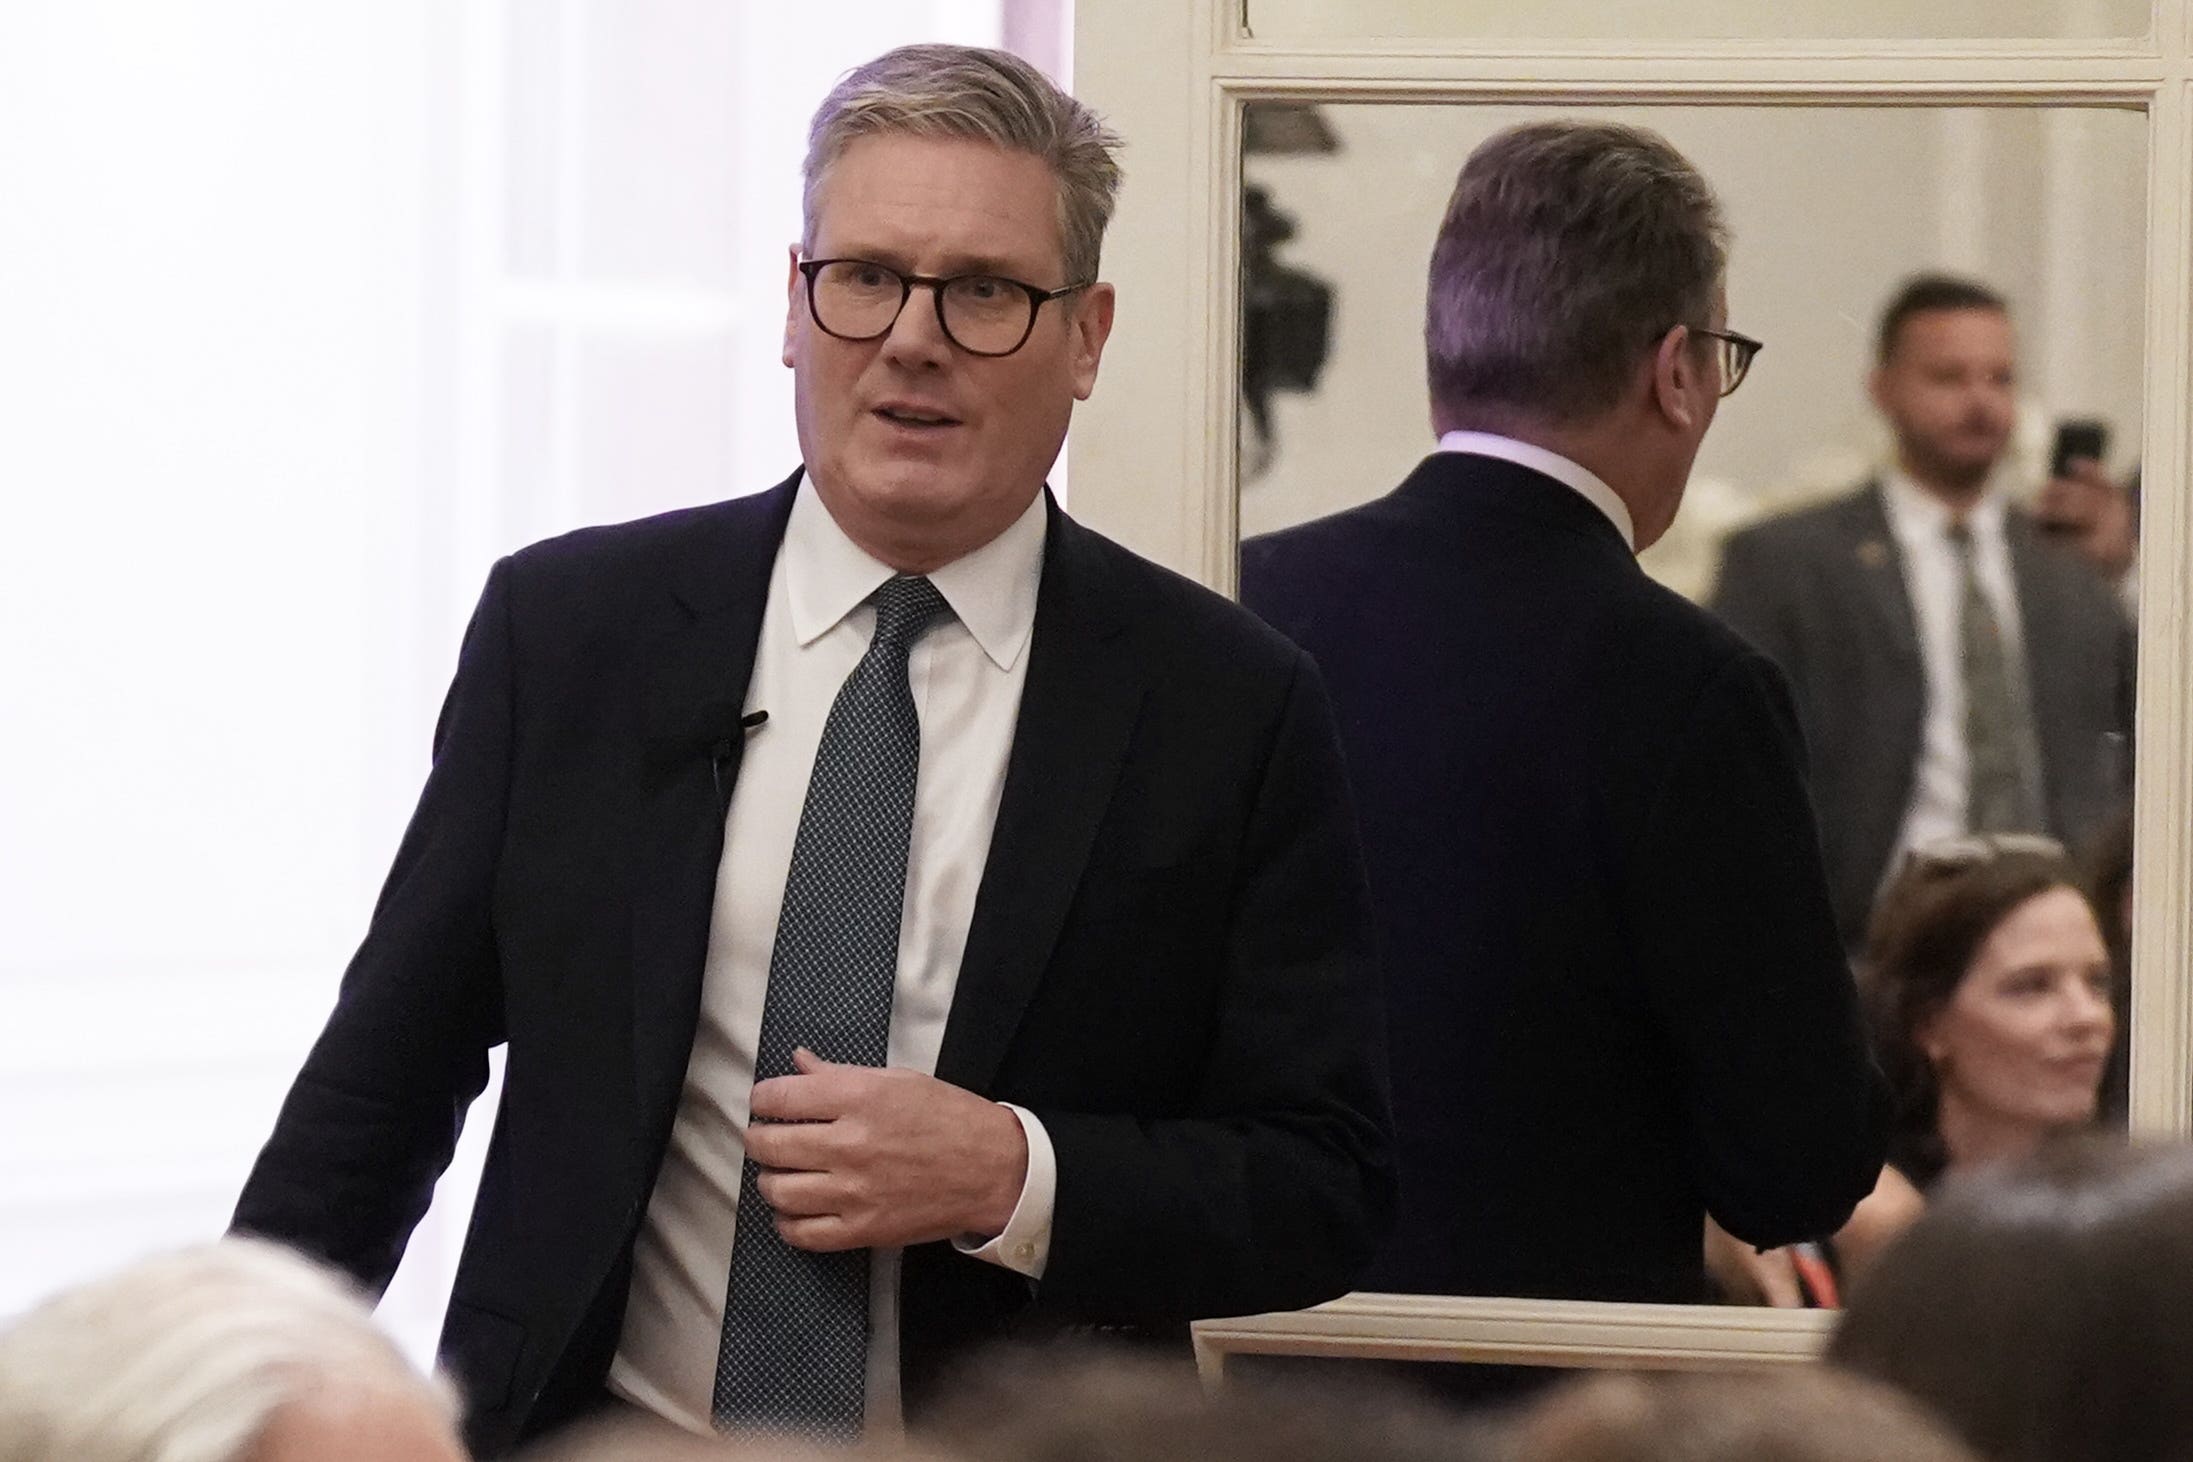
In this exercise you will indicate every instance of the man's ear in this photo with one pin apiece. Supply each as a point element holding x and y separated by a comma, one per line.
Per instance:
<point>792,285</point>
<point>1091,325</point>
<point>1678,378</point>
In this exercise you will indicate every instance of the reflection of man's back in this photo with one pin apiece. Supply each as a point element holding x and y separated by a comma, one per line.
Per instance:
<point>1616,1000</point>
<point>1955,672</point>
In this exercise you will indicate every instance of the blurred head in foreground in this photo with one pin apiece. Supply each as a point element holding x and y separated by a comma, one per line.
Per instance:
<point>1077,1407</point>
<point>238,1351</point>
<point>635,1438</point>
<point>2042,1308</point>
<point>1802,1415</point>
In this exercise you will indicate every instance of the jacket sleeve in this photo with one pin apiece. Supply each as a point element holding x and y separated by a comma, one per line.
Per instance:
<point>1273,1191</point>
<point>1737,945</point>
<point>373,1117</point>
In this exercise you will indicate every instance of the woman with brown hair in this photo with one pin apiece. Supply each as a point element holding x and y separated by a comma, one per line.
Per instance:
<point>1991,996</point>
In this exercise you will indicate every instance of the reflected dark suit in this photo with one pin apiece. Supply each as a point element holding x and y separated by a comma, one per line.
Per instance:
<point>1615,992</point>
<point>1168,962</point>
<point>1822,592</point>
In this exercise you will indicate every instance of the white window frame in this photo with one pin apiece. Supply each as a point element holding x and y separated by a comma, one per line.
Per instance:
<point>1154,463</point>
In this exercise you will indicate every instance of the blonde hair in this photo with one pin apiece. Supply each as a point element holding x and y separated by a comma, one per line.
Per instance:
<point>186,1357</point>
<point>986,96</point>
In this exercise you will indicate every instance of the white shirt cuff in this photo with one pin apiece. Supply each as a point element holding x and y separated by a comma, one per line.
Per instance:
<point>1025,1244</point>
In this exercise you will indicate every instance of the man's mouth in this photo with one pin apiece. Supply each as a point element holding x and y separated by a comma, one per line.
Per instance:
<point>915,416</point>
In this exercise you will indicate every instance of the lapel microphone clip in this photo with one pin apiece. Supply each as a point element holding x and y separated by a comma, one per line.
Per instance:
<point>725,752</point>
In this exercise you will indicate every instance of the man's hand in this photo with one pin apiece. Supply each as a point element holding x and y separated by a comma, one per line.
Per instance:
<point>1749,1276</point>
<point>2091,515</point>
<point>856,1157</point>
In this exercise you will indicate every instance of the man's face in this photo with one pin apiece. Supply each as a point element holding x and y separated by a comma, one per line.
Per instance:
<point>921,451</point>
<point>1948,390</point>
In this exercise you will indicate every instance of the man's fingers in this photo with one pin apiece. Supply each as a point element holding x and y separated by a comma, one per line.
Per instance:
<point>827,1234</point>
<point>801,1195</point>
<point>794,1146</point>
<point>807,1063</point>
<point>2064,495</point>
<point>804,1098</point>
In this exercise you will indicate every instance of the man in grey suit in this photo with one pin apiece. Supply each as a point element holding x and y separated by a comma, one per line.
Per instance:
<point>1955,671</point>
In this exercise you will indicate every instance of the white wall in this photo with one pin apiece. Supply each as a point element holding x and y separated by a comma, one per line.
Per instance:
<point>311,311</point>
<point>209,266</point>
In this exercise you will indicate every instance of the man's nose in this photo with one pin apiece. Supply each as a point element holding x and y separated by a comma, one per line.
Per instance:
<point>916,336</point>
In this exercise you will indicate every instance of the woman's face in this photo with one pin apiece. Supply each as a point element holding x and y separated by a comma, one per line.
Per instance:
<point>2023,1040</point>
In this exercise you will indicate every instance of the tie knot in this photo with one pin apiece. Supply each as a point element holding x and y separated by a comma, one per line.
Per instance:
<point>905,608</point>
<point>1959,534</point>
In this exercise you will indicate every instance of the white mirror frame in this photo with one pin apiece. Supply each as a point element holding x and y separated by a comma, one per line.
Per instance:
<point>1559,1333</point>
<point>1154,456</point>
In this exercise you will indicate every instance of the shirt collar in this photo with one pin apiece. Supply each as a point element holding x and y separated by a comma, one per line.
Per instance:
<point>1586,483</point>
<point>1917,515</point>
<point>992,590</point>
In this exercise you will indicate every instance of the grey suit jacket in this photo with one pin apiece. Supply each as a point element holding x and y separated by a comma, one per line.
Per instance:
<point>1822,591</point>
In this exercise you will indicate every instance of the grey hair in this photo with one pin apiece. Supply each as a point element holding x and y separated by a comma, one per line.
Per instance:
<point>187,1357</point>
<point>983,95</point>
<point>1568,249</point>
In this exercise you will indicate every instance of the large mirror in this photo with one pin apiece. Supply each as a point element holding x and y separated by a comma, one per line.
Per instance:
<point>1832,209</point>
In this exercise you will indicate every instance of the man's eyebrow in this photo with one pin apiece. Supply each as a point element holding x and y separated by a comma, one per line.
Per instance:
<point>952,265</point>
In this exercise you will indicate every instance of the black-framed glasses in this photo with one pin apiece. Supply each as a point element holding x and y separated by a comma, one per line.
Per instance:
<point>982,314</point>
<point>1737,352</point>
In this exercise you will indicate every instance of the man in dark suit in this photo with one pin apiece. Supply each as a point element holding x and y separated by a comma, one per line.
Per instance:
<point>1616,998</point>
<point>1955,671</point>
<point>913,919</point>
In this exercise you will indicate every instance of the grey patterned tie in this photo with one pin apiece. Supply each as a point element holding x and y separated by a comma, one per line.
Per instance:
<point>795,1324</point>
<point>1998,727</point>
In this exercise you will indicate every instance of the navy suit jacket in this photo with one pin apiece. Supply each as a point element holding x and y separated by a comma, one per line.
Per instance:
<point>1168,963</point>
<point>1616,995</point>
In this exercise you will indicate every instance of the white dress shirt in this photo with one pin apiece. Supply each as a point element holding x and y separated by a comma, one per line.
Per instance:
<point>1587,483</point>
<point>1934,580</point>
<point>966,674</point>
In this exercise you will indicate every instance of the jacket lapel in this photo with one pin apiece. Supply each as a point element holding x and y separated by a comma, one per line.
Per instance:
<point>1077,715</point>
<point>695,693</point>
<point>1879,574</point>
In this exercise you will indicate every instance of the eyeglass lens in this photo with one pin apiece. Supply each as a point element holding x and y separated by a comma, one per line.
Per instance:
<point>1735,361</point>
<point>981,313</point>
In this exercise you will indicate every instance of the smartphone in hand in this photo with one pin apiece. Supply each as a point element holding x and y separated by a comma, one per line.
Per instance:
<point>2077,438</point>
